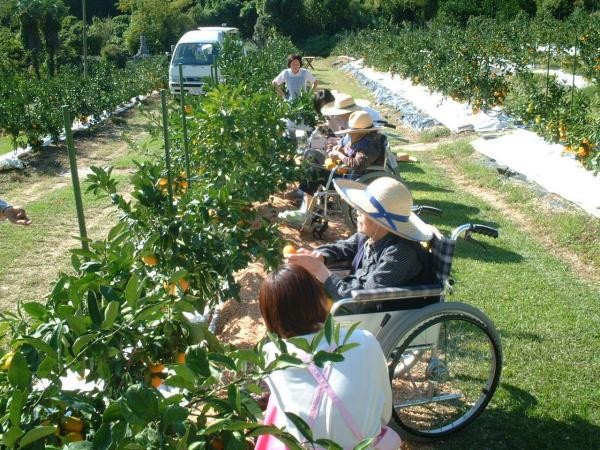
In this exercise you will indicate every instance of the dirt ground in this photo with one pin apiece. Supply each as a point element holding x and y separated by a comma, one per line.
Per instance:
<point>240,322</point>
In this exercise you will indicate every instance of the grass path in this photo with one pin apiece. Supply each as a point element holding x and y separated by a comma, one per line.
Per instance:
<point>32,257</point>
<point>539,283</point>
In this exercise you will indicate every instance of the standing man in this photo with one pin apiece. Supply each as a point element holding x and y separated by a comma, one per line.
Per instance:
<point>13,214</point>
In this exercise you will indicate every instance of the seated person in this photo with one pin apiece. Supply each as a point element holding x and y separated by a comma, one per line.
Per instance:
<point>293,304</point>
<point>385,251</point>
<point>361,147</point>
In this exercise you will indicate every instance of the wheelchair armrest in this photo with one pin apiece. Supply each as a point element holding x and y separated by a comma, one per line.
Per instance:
<point>382,294</point>
<point>375,168</point>
<point>364,296</point>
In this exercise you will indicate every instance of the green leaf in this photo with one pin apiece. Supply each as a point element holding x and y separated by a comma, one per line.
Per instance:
<point>35,310</point>
<point>350,346</point>
<point>82,445</point>
<point>114,412</point>
<point>16,403</point>
<point>328,329</point>
<point>173,415</point>
<point>36,434</point>
<point>302,426</point>
<point>111,313</point>
<point>223,359</point>
<point>301,343</point>
<point>364,444</point>
<point>328,444</point>
<point>142,402</point>
<point>46,367</point>
<point>132,290</point>
<point>233,395</point>
<point>10,437</point>
<point>39,345</point>
<point>322,357</point>
<point>103,438</point>
<point>93,309</point>
<point>196,359</point>
<point>82,341</point>
<point>350,331</point>
<point>19,374</point>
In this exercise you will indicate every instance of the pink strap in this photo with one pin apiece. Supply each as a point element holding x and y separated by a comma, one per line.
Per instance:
<point>317,398</point>
<point>325,386</point>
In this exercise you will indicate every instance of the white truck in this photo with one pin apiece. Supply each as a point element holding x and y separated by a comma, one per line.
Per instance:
<point>196,51</point>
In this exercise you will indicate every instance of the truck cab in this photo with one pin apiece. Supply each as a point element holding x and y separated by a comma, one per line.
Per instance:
<point>197,51</point>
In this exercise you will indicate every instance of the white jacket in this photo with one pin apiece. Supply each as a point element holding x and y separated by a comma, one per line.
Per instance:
<point>361,382</point>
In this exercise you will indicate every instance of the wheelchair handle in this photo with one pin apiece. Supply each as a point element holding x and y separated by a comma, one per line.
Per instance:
<point>474,228</point>
<point>418,209</point>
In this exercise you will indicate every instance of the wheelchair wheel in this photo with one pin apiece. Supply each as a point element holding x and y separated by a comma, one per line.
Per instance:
<point>444,369</point>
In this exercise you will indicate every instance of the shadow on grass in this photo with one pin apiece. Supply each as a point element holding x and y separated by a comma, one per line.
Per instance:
<point>515,428</point>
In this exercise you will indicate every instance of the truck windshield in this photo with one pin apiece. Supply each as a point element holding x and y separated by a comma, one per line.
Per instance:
<point>195,53</point>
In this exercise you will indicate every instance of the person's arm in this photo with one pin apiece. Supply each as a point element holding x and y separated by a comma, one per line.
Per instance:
<point>278,82</point>
<point>343,250</point>
<point>395,267</point>
<point>14,215</point>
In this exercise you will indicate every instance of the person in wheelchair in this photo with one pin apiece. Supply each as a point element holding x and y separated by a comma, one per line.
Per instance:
<point>362,146</point>
<point>346,401</point>
<point>386,251</point>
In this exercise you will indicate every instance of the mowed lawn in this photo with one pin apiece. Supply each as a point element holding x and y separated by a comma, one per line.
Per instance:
<point>547,313</point>
<point>547,310</point>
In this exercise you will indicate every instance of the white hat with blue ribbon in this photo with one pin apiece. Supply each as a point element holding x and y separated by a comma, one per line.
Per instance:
<point>389,203</point>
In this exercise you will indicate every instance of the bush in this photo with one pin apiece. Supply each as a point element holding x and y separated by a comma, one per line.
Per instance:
<point>320,45</point>
<point>112,53</point>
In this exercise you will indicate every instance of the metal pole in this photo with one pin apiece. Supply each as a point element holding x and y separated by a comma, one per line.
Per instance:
<point>75,177</point>
<point>574,68</point>
<point>186,149</point>
<point>83,13</point>
<point>165,116</point>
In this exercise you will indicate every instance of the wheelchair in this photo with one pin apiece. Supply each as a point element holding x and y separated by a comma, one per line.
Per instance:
<point>444,358</point>
<point>326,204</point>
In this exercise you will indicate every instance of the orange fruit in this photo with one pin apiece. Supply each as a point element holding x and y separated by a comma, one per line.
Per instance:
<point>187,109</point>
<point>74,436</point>
<point>180,358</point>
<point>156,367</point>
<point>155,381</point>
<point>184,284</point>
<point>162,182</point>
<point>150,260</point>
<point>7,360</point>
<point>74,424</point>
<point>329,164</point>
<point>217,444</point>
<point>289,250</point>
<point>170,288</point>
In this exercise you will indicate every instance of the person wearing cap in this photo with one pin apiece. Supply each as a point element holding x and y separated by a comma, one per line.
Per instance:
<point>386,251</point>
<point>13,214</point>
<point>295,78</point>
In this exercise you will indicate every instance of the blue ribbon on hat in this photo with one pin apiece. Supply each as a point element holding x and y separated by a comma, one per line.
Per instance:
<point>383,214</point>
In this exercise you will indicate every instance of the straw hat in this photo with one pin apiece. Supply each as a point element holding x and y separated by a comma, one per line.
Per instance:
<point>343,104</point>
<point>358,122</point>
<point>389,203</point>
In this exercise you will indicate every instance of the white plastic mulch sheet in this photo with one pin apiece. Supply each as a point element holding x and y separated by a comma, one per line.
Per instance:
<point>525,152</point>
<point>423,108</point>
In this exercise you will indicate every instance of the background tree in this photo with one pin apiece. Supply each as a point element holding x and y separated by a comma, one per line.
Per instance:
<point>30,13</point>
<point>161,21</point>
<point>50,23</point>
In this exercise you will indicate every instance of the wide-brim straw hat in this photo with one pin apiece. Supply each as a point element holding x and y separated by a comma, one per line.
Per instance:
<point>389,203</point>
<point>342,104</point>
<point>359,122</point>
